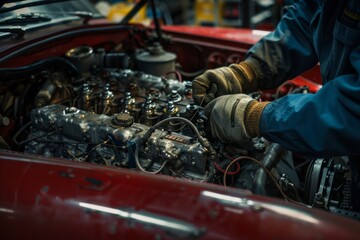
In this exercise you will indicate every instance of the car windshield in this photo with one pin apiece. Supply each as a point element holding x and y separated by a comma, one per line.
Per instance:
<point>37,13</point>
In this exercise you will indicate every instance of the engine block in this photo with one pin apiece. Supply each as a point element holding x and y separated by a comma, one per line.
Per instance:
<point>79,135</point>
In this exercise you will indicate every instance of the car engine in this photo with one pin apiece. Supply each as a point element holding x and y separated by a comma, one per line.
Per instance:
<point>109,114</point>
<point>138,113</point>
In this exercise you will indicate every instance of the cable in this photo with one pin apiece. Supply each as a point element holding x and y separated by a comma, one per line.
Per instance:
<point>62,142</point>
<point>262,166</point>
<point>94,148</point>
<point>277,93</point>
<point>191,74</point>
<point>177,73</point>
<point>192,117</point>
<point>24,71</point>
<point>210,174</point>
<point>218,167</point>
<point>19,132</point>
<point>35,138</point>
<point>136,156</point>
<point>202,140</point>
<point>200,54</point>
<point>286,198</point>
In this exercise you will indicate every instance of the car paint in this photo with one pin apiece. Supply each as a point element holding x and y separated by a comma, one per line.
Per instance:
<point>46,198</point>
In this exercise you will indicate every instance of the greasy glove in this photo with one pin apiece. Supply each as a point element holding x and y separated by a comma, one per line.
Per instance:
<point>237,78</point>
<point>234,118</point>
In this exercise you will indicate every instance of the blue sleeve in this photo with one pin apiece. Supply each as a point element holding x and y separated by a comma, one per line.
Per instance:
<point>323,124</point>
<point>279,52</point>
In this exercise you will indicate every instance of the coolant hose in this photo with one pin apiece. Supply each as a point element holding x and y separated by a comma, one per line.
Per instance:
<point>25,71</point>
<point>270,160</point>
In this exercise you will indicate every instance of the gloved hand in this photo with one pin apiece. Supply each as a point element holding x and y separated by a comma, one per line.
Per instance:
<point>234,118</point>
<point>237,78</point>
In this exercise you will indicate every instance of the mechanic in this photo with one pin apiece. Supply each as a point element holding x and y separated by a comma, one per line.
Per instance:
<point>323,124</point>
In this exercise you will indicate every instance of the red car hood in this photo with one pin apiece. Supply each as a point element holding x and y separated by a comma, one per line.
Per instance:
<point>57,199</point>
<point>242,35</point>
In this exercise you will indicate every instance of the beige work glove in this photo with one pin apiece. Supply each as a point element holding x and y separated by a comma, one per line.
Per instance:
<point>234,118</point>
<point>237,78</point>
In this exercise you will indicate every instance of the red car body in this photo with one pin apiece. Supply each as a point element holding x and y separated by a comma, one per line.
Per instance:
<point>45,198</point>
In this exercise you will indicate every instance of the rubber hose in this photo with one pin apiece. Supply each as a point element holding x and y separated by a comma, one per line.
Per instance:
<point>25,71</point>
<point>271,158</point>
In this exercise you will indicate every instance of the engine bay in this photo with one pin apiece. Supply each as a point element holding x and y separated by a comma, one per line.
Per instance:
<point>112,114</point>
<point>135,110</point>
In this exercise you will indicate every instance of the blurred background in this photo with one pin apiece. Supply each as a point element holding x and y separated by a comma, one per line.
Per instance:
<point>255,14</point>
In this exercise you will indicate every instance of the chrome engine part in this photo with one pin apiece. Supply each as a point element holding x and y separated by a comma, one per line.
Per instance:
<point>79,135</point>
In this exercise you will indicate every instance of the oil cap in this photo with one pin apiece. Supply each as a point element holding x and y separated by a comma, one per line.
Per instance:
<point>122,120</point>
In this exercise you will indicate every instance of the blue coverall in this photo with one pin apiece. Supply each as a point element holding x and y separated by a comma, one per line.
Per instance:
<point>326,123</point>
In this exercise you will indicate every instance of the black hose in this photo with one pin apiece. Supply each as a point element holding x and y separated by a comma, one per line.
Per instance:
<point>25,71</point>
<point>270,160</point>
<point>212,171</point>
<point>191,74</point>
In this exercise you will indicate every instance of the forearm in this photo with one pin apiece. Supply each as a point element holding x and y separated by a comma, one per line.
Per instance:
<point>323,124</point>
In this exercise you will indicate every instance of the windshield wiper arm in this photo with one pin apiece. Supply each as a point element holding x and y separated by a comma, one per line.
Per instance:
<point>25,4</point>
<point>18,31</point>
<point>84,15</point>
<point>24,19</point>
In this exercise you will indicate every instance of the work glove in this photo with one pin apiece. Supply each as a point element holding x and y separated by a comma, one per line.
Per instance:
<point>235,118</point>
<point>237,78</point>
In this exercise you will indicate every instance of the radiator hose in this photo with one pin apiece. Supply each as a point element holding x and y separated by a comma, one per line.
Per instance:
<point>25,71</point>
<point>270,160</point>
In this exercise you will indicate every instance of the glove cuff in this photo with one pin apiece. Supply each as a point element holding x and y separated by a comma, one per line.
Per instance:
<point>252,117</point>
<point>248,74</point>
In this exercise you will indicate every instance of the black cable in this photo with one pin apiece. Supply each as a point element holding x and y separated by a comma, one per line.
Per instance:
<point>35,138</point>
<point>25,71</point>
<point>93,149</point>
<point>16,135</point>
<point>212,172</point>
<point>115,147</point>
<point>191,74</point>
